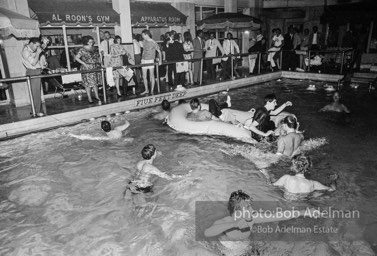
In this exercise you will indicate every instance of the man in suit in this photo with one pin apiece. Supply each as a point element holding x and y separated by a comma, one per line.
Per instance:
<point>211,46</point>
<point>198,53</point>
<point>315,39</point>
<point>288,47</point>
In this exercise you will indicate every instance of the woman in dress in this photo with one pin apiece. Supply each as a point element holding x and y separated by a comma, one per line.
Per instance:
<point>116,52</point>
<point>89,59</point>
<point>189,49</point>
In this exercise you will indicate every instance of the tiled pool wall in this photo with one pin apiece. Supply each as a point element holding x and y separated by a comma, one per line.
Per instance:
<point>15,129</point>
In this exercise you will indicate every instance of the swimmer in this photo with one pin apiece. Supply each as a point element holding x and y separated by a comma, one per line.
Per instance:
<point>261,125</point>
<point>165,105</point>
<point>336,106</point>
<point>288,145</point>
<point>234,230</point>
<point>145,169</point>
<point>117,132</point>
<point>198,114</point>
<point>298,184</point>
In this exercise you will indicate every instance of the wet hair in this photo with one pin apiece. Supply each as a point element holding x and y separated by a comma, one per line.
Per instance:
<point>147,32</point>
<point>181,101</point>
<point>148,151</point>
<point>290,121</point>
<point>86,39</point>
<point>301,163</point>
<point>269,98</point>
<point>194,103</point>
<point>198,32</point>
<point>117,39</point>
<point>176,37</point>
<point>187,37</point>
<point>165,105</point>
<point>106,126</point>
<point>35,40</point>
<point>235,201</point>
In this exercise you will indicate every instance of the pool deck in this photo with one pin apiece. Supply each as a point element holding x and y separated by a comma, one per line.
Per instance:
<point>79,113</point>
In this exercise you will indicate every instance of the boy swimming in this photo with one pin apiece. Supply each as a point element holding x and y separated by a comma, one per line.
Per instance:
<point>297,186</point>
<point>115,133</point>
<point>234,230</point>
<point>288,145</point>
<point>165,105</point>
<point>142,182</point>
<point>335,106</point>
<point>261,125</point>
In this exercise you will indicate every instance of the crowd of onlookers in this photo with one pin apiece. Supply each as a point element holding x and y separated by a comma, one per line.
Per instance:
<point>177,57</point>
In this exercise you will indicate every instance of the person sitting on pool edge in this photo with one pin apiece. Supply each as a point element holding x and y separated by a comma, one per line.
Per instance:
<point>288,145</point>
<point>298,184</point>
<point>165,105</point>
<point>261,125</point>
<point>234,230</point>
<point>115,133</point>
<point>198,114</point>
<point>145,169</point>
<point>335,106</point>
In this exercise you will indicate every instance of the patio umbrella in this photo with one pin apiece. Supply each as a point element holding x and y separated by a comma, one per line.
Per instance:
<point>230,20</point>
<point>12,23</point>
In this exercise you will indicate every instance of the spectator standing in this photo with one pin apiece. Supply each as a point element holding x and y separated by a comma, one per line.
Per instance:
<point>89,59</point>
<point>175,53</point>
<point>304,46</point>
<point>137,55</point>
<point>199,45</point>
<point>277,44</point>
<point>117,51</point>
<point>105,48</point>
<point>288,49</point>
<point>315,39</point>
<point>188,47</point>
<point>259,46</point>
<point>150,47</point>
<point>230,47</point>
<point>211,46</point>
<point>31,54</point>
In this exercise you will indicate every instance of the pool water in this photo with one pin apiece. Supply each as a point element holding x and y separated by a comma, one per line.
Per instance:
<point>64,196</point>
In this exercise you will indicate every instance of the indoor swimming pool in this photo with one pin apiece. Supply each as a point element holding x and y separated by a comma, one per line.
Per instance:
<point>64,196</point>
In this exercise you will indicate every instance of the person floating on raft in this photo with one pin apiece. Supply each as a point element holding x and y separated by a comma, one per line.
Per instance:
<point>298,187</point>
<point>234,231</point>
<point>261,125</point>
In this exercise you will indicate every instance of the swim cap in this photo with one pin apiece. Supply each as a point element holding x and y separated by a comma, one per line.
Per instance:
<point>106,126</point>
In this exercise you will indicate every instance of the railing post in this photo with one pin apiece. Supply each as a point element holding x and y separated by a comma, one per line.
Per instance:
<point>157,77</point>
<point>103,84</point>
<point>201,71</point>
<point>281,60</point>
<point>308,61</point>
<point>259,62</point>
<point>30,95</point>
<point>231,67</point>
<point>341,63</point>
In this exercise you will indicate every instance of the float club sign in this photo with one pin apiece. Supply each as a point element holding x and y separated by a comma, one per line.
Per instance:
<point>81,18</point>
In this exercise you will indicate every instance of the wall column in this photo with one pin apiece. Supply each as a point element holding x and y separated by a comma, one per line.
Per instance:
<point>125,30</point>
<point>230,5</point>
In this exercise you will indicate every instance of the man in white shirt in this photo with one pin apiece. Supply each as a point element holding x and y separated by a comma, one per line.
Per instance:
<point>277,44</point>
<point>315,39</point>
<point>105,48</point>
<point>137,55</point>
<point>211,46</point>
<point>230,47</point>
<point>30,57</point>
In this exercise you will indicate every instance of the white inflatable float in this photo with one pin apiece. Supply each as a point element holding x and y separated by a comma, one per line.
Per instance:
<point>178,121</point>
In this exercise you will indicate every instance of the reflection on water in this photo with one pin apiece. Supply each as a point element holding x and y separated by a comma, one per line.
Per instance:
<point>63,196</point>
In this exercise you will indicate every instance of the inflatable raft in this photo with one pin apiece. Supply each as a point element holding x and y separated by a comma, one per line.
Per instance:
<point>178,121</point>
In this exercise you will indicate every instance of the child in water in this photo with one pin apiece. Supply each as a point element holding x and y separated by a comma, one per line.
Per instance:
<point>288,145</point>
<point>142,182</point>
<point>117,132</point>
<point>165,105</point>
<point>234,230</point>
<point>336,106</point>
<point>297,186</point>
<point>198,114</point>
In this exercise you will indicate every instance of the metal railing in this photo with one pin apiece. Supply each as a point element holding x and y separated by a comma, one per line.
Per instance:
<point>102,70</point>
